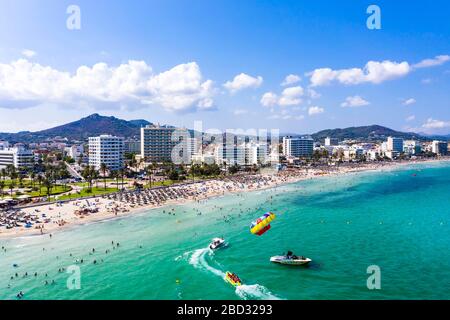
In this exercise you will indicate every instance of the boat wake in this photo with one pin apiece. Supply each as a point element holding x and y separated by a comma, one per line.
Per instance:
<point>255,291</point>
<point>198,260</point>
<point>245,292</point>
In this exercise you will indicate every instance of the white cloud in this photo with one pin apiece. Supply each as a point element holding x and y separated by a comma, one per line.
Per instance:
<point>269,99</point>
<point>373,72</point>
<point>436,61</point>
<point>410,118</point>
<point>182,88</point>
<point>239,112</point>
<point>355,101</point>
<point>426,81</point>
<point>243,81</point>
<point>28,53</point>
<point>315,110</point>
<point>436,124</point>
<point>289,97</point>
<point>290,80</point>
<point>409,101</point>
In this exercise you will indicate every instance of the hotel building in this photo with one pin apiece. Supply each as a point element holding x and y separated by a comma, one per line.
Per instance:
<point>18,156</point>
<point>106,149</point>
<point>439,147</point>
<point>395,144</point>
<point>331,141</point>
<point>412,147</point>
<point>298,147</point>
<point>160,144</point>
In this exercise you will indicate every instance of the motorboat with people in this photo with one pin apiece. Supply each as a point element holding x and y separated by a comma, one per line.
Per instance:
<point>217,243</point>
<point>233,279</point>
<point>290,259</point>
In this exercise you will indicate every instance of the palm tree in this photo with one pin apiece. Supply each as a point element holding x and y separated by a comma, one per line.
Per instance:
<point>12,185</point>
<point>103,169</point>
<point>2,185</point>
<point>88,174</point>
<point>195,168</point>
<point>115,175</point>
<point>49,185</point>
<point>225,165</point>
<point>21,177</point>
<point>63,174</point>
<point>40,179</point>
<point>49,176</point>
<point>3,173</point>
<point>149,172</point>
<point>32,177</point>
<point>121,174</point>
<point>80,160</point>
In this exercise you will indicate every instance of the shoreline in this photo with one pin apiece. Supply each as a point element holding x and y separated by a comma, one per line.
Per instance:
<point>110,207</point>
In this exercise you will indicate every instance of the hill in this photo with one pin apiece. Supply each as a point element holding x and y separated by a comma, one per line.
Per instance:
<point>365,133</point>
<point>92,125</point>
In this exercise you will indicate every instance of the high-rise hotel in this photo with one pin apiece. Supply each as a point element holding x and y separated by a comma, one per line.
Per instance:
<point>298,147</point>
<point>106,149</point>
<point>162,143</point>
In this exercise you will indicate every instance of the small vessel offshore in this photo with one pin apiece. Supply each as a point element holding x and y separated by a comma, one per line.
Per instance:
<point>290,259</point>
<point>216,243</point>
<point>233,279</point>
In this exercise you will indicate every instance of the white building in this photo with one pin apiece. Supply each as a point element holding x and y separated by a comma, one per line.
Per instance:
<point>256,153</point>
<point>229,155</point>
<point>353,153</point>
<point>394,144</point>
<point>18,156</point>
<point>373,154</point>
<point>439,147</point>
<point>392,154</point>
<point>245,154</point>
<point>106,149</point>
<point>412,147</point>
<point>298,147</point>
<point>331,141</point>
<point>203,158</point>
<point>74,151</point>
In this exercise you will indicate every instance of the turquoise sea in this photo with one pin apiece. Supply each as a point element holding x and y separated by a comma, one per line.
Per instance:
<point>398,220</point>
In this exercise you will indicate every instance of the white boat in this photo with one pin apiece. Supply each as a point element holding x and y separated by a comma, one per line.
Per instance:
<point>216,243</point>
<point>290,260</point>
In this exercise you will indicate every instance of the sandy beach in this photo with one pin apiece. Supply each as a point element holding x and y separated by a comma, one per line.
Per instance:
<point>48,218</point>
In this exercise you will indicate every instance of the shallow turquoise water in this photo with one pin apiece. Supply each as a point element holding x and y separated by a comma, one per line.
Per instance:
<point>392,219</point>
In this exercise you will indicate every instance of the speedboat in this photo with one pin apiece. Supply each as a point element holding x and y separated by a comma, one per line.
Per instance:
<point>233,279</point>
<point>216,243</point>
<point>290,259</point>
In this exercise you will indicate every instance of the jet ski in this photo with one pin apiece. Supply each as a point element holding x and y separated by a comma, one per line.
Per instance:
<point>216,243</point>
<point>290,259</point>
<point>233,279</point>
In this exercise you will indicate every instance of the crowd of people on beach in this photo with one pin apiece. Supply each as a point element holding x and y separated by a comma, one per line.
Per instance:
<point>45,218</point>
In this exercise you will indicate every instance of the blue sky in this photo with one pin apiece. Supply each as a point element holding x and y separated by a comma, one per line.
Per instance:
<point>184,53</point>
